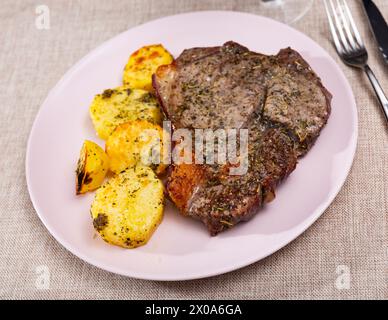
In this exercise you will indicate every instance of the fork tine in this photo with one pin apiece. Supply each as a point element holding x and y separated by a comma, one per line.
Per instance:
<point>353,24</point>
<point>339,28</point>
<point>332,29</point>
<point>345,24</point>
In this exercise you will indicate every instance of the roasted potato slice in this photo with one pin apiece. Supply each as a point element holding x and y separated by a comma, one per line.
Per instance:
<point>122,104</point>
<point>143,63</point>
<point>136,142</point>
<point>128,208</point>
<point>92,166</point>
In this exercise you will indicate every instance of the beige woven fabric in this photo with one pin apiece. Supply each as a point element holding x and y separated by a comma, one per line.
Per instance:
<point>352,232</point>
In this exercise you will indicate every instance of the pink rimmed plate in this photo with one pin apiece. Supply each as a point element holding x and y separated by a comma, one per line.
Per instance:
<point>181,248</point>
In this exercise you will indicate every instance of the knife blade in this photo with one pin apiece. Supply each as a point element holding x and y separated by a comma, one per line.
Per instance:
<point>378,25</point>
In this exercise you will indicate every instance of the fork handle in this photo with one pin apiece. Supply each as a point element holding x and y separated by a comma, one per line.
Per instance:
<point>378,90</point>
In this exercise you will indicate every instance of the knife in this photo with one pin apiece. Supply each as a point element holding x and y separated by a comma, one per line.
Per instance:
<point>378,25</point>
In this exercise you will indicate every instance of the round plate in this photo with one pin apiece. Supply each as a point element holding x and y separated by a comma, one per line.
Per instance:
<point>181,248</point>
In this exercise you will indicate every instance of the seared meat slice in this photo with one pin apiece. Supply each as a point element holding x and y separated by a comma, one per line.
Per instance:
<point>297,100</point>
<point>279,99</point>
<point>220,200</point>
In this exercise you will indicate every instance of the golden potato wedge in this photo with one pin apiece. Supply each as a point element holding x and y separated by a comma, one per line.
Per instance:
<point>143,63</point>
<point>128,208</point>
<point>136,142</point>
<point>120,105</point>
<point>92,166</point>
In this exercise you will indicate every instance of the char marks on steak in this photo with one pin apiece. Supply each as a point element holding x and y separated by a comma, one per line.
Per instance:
<point>279,99</point>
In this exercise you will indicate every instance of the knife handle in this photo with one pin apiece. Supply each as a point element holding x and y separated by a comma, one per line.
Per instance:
<point>378,90</point>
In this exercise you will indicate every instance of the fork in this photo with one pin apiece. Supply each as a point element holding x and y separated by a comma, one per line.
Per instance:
<point>349,45</point>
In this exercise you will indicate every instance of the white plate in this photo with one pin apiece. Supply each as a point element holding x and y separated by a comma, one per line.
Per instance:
<point>181,248</point>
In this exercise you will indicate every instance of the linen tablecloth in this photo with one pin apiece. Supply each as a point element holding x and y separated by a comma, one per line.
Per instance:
<point>343,255</point>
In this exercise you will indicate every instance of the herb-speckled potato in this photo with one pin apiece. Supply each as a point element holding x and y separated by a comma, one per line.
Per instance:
<point>143,63</point>
<point>122,104</point>
<point>135,142</point>
<point>129,207</point>
<point>92,166</point>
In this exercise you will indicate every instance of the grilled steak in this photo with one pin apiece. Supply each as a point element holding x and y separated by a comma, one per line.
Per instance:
<point>279,99</point>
